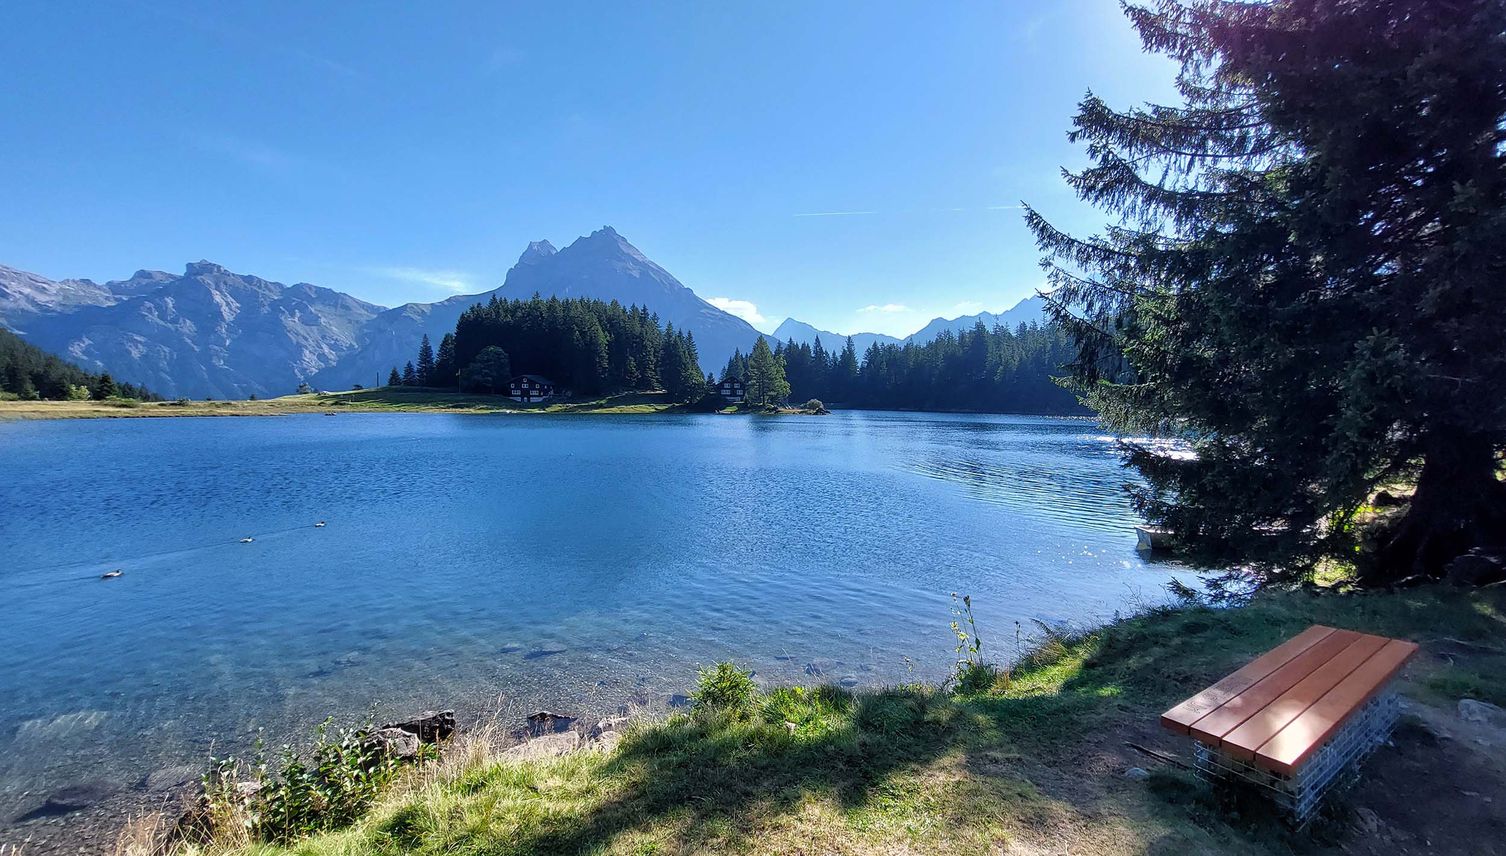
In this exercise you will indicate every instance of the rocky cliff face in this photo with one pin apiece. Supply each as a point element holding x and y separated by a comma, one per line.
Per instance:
<point>209,332</point>
<point>602,265</point>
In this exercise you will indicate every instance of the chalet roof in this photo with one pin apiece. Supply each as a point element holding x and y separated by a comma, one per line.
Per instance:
<point>534,378</point>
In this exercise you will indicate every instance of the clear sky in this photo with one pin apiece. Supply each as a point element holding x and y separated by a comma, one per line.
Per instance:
<point>856,165</point>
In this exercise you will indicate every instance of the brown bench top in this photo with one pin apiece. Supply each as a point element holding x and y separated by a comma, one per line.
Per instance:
<point>1284,704</point>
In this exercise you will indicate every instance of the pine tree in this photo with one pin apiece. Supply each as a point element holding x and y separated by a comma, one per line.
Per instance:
<point>1303,279</point>
<point>845,372</point>
<point>767,385</point>
<point>104,387</point>
<point>425,367</point>
<point>394,379</point>
<point>446,372</point>
<point>410,375</point>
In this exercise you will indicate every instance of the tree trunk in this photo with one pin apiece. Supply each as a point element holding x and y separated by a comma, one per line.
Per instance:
<point>1459,504</point>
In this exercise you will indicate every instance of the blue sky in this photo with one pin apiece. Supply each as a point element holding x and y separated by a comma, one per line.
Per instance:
<point>855,165</point>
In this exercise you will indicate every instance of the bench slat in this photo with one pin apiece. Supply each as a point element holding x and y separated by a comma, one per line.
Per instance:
<point>1182,717</point>
<point>1232,713</point>
<point>1244,741</point>
<point>1288,749</point>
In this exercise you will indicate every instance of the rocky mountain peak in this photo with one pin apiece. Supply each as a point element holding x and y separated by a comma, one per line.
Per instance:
<point>605,242</point>
<point>203,267</point>
<point>537,251</point>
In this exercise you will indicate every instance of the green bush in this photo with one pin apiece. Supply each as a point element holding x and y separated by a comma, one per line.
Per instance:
<point>726,688</point>
<point>300,794</point>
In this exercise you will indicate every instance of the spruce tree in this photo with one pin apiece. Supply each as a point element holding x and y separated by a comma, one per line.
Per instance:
<point>845,373</point>
<point>394,379</point>
<point>1303,279</point>
<point>425,368</point>
<point>104,387</point>
<point>410,375</point>
<point>445,371</point>
<point>766,382</point>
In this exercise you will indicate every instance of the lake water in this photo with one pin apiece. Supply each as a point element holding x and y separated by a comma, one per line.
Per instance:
<point>498,564</point>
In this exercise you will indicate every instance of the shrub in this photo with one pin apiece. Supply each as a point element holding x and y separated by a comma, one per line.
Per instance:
<point>300,794</point>
<point>726,688</point>
<point>815,405</point>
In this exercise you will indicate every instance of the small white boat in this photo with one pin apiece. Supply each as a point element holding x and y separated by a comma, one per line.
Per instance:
<point>1150,539</point>
<point>110,575</point>
<point>247,540</point>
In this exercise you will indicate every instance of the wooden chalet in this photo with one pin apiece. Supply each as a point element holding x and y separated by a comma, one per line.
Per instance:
<point>732,389</point>
<point>530,388</point>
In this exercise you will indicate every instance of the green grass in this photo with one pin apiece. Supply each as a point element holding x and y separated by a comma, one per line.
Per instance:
<point>416,399</point>
<point>914,769</point>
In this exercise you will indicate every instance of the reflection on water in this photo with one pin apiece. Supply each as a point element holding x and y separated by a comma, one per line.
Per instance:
<point>501,563</point>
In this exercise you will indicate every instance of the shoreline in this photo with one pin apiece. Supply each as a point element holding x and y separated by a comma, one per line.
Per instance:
<point>384,400</point>
<point>1047,754</point>
<point>399,400</point>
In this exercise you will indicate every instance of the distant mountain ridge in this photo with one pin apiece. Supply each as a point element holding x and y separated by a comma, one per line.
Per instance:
<point>208,332</point>
<point>1031,310</point>
<point>804,334</point>
<point>212,332</point>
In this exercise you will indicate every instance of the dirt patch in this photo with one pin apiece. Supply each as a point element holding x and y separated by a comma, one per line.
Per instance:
<point>1439,789</point>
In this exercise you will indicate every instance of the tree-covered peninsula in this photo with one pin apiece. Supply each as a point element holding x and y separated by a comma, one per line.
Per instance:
<point>595,348</point>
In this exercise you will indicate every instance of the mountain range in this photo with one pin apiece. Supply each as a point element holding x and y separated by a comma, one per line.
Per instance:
<point>1031,310</point>
<point>213,333</point>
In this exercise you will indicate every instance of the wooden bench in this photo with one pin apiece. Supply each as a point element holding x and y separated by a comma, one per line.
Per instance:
<point>1270,720</point>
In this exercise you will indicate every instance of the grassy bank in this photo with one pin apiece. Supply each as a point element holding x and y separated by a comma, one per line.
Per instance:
<point>1033,766</point>
<point>382,400</point>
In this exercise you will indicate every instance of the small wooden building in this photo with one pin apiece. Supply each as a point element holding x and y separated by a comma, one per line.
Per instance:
<point>530,388</point>
<point>732,389</point>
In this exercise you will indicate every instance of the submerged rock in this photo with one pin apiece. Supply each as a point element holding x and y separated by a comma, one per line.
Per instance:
<point>66,725</point>
<point>548,722</point>
<point>170,778</point>
<point>1137,774</point>
<point>541,653</point>
<point>75,797</point>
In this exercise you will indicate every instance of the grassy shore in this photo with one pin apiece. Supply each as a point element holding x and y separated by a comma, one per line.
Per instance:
<point>1035,765</point>
<point>381,400</point>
